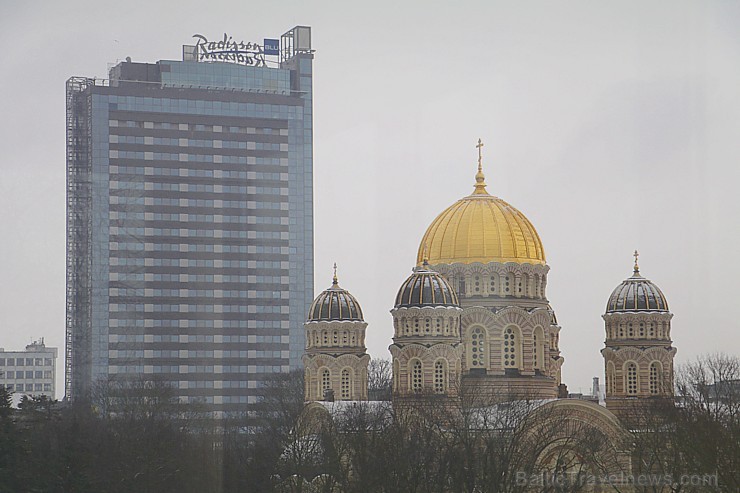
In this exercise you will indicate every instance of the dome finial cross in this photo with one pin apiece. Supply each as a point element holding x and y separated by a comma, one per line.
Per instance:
<point>480,178</point>
<point>335,280</point>
<point>637,267</point>
<point>480,155</point>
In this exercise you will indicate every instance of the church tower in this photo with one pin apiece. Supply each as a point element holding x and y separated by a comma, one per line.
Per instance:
<point>492,256</point>
<point>426,349</point>
<point>638,355</point>
<point>336,359</point>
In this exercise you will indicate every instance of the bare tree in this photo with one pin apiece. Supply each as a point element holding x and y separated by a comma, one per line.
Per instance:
<point>379,380</point>
<point>708,419</point>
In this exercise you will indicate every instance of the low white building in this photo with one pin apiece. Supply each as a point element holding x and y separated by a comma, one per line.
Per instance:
<point>29,372</point>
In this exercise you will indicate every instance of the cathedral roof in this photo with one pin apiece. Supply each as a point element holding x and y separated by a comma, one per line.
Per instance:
<point>481,228</point>
<point>636,294</point>
<point>335,304</point>
<point>426,287</point>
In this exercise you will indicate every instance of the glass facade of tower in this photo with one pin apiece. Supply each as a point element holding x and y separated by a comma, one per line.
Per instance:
<point>190,226</point>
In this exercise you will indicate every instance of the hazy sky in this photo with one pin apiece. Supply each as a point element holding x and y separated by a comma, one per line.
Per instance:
<point>610,125</point>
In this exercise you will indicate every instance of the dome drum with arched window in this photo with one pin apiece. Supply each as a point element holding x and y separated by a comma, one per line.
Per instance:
<point>638,355</point>
<point>335,360</point>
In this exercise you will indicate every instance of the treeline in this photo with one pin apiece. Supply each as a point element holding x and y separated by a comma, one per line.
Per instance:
<point>138,438</point>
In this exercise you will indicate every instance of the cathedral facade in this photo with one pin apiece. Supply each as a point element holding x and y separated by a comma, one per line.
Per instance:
<point>474,315</point>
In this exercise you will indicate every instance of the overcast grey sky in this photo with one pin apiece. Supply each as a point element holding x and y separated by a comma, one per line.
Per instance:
<point>610,125</point>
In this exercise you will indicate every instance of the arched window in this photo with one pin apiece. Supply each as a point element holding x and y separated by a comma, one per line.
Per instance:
<point>522,288</point>
<point>508,284</point>
<point>478,348</point>
<point>512,348</point>
<point>325,335</point>
<point>630,330</point>
<point>346,385</point>
<point>492,284</point>
<point>440,377</point>
<point>417,382</point>
<point>324,382</point>
<point>611,379</point>
<point>655,378</point>
<point>345,338</point>
<point>630,377</point>
<point>396,375</point>
<point>538,349</point>
<point>543,282</point>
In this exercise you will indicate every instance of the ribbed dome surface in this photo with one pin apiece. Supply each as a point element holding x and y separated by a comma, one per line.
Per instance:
<point>481,228</point>
<point>426,288</point>
<point>335,304</point>
<point>637,294</point>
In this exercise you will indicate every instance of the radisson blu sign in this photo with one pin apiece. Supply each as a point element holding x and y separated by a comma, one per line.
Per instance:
<point>229,50</point>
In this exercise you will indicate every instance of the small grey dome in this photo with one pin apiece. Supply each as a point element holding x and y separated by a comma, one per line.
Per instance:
<point>335,304</point>
<point>637,294</point>
<point>426,287</point>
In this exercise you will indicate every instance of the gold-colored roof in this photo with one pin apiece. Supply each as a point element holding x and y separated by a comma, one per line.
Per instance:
<point>481,228</point>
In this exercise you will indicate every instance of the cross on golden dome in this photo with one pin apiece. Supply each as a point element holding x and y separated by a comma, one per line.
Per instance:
<point>480,178</point>
<point>637,267</point>
<point>480,228</point>
<point>335,280</point>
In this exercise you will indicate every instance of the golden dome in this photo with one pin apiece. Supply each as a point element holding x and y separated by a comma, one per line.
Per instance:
<point>481,228</point>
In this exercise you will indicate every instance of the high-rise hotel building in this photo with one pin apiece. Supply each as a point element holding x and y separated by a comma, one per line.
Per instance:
<point>190,220</point>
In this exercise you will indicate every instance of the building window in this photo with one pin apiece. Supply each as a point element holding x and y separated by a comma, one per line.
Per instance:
<point>478,348</point>
<point>511,348</point>
<point>346,385</point>
<point>655,377</point>
<point>417,383</point>
<point>539,349</point>
<point>439,377</point>
<point>631,379</point>
<point>611,381</point>
<point>324,383</point>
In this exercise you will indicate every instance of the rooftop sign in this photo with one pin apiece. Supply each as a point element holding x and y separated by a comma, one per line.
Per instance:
<point>228,50</point>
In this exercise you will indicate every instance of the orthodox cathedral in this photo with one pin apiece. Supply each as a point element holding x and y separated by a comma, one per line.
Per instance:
<point>474,314</point>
